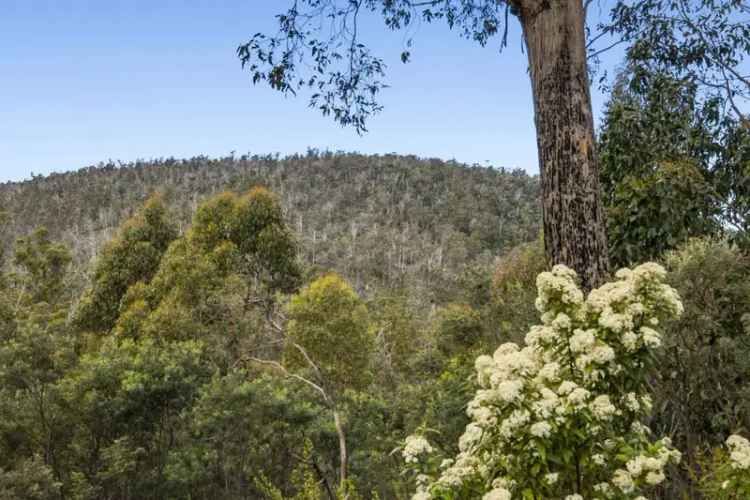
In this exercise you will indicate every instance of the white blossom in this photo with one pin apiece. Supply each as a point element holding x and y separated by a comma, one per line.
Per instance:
<point>497,494</point>
<point>631,401</point>
<point>602,354</point>
<point>655,477</point>
<point>651,337</point>
<point>578,396</point>
<point>582,340</point>
<point>415,446</point>
<point>623,480</point>
<point>509,390</point>
<point>540,429</point>
<point>739,451</point>
<point>630,341</point>
<point>602,407</point>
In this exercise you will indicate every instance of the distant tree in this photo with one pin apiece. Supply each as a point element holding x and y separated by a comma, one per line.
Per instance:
<point>702,48</point>
<point>656,212</point>
<point>29,480</point>
<point>328,347</point>
<point>708,348</point>
<point>42,264</point>
<point>258,425</point>
<point>126,401</point>
<point>6,306</point>
<point>36,349</point>
<point>328,338</point>
<point>318,46</point>
<point>652,117</point>
<point>513,292</point>
<point>133,256</point>
<point>330,323</point>
<point>396,330</point>
<point>4,217</point>
<point>237,255</point>
<point>254,223</point>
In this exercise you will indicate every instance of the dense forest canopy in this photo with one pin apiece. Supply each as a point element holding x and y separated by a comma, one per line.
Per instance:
<point>308,327</point>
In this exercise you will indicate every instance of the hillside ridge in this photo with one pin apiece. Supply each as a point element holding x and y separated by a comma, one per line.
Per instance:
<point>380,220</point>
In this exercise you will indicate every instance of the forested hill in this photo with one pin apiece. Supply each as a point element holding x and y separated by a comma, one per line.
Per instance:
<point>378,220</point>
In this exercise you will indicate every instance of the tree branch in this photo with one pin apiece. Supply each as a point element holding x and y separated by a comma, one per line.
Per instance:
<point>605,49</point>
<point>289,374</point>
<point>307,358</point>
<point>730,96</point>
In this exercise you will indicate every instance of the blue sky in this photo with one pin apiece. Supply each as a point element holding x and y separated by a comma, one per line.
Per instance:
<point>87,81</point>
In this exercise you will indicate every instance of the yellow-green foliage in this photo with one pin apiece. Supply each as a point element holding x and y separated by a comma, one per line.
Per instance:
<point>725,472</point>
<point>254,224</point>
<point>132,256</point>
<point>229,254</point>
<point>330,322</point>
<point>397,332</point>
<point>303,478</point>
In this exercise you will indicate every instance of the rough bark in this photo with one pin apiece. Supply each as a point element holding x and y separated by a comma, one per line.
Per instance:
<point>573,217</point>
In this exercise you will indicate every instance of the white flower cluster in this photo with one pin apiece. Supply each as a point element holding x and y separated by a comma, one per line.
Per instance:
<point>564,378</point>
<point>646,469</point>
<point>739,452</point>
<point>415,446</point>
<point>497,494</point>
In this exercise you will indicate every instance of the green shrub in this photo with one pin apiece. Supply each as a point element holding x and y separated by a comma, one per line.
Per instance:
<point>703,391</point>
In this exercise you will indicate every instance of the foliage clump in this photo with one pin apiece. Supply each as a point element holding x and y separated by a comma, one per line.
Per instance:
<point>132,256</point>
<point>238,254</point>
<point>701,392</point>
<point>43,264</point>
<point>513,290</point>
<point>328,323</point>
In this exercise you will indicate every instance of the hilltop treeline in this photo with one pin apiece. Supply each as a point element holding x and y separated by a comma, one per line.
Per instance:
<point>379,220</point>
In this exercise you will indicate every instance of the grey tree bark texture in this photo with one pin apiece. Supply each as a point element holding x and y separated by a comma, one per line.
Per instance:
<point>573,216</point>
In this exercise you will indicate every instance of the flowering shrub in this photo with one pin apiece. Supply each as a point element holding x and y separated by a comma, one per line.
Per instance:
<point>728,475</point>
<point>561,416</point>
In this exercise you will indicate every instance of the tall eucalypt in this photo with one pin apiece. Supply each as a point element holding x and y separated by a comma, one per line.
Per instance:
<point>562,416</point>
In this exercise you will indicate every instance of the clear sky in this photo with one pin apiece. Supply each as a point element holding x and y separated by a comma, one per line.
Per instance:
<point>87,81</point>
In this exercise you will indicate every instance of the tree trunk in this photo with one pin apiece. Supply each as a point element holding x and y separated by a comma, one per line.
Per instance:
<point>574,226</point>
<point>342,447</point>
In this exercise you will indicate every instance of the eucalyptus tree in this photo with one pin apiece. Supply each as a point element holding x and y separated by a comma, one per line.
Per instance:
<point>318,46</point>
<point>131,257</point>
<point>328,347</point>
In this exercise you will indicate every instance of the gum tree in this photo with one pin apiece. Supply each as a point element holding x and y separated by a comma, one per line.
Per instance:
<point>317,47</point>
